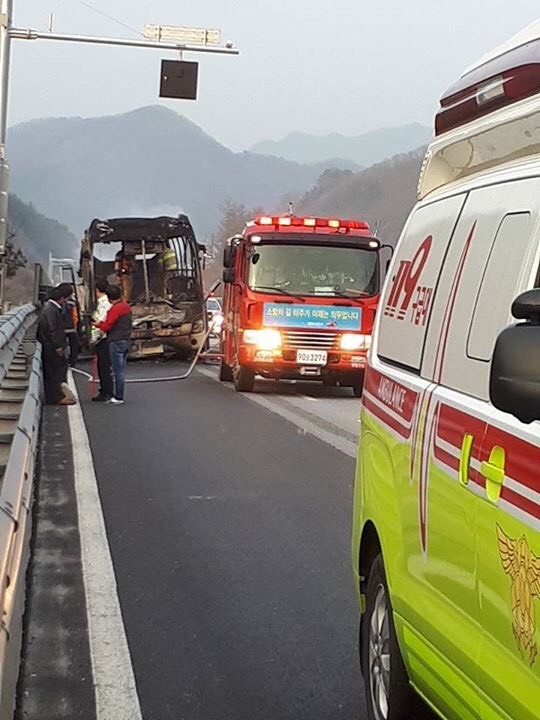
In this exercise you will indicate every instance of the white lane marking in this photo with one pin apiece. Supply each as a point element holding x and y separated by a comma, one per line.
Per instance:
<point>309,397</point>
<point>337,442</point>
<point>114,681</point>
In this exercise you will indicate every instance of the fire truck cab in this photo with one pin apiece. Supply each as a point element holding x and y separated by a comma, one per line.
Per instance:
<point>299,301</point>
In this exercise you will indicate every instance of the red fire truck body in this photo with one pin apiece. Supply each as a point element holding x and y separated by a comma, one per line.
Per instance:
<point>299,301</point>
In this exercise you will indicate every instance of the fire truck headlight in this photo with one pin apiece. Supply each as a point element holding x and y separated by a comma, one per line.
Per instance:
<point>264,339</point>
<point>353,341</point>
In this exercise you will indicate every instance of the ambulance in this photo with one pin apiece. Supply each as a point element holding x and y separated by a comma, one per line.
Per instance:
<point>446,530</point>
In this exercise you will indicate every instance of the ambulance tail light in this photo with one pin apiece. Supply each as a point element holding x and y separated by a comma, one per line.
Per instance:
<point>497,84</point>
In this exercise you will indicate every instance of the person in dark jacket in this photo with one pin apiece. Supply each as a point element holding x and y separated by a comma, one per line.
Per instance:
<point>52,336</point>
<point>118,325</point>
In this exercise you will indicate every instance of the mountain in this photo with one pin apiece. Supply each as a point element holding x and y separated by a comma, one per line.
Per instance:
<point>149,161</point>
<point>37,236</point>
<point>364,150</point>
<point>383,194</point>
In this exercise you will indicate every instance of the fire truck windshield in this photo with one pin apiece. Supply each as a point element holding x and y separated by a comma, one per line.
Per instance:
<point>314,270</point>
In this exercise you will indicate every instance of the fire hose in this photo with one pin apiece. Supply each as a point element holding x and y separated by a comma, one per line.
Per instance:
<point>184,376</point>
<point>170,378</point>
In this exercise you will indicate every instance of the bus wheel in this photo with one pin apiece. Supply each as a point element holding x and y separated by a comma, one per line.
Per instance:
<point>244,379</point>
<point>389,695</point>
<point>225,372</point>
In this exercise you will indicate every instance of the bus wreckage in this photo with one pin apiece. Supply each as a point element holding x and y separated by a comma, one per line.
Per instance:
<point>157,263</point>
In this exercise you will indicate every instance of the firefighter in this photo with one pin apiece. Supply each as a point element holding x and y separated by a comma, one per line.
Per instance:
<point>71,324</point>
<point>169,259</point>
<point>123,267</point>
<point>169,263</point>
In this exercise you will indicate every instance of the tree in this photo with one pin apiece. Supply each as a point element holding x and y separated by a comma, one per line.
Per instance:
<point>15,258</point>
<point>234,216</point>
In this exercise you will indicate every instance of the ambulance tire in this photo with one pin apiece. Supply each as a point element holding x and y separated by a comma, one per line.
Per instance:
<point>225,372</point>
<point>244,379</point>
<point>402,702</point>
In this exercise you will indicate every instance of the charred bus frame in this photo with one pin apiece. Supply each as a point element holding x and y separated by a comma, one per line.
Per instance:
<point>168,304</point>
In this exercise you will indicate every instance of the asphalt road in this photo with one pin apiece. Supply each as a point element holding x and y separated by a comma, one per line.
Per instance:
<point>228,518</point>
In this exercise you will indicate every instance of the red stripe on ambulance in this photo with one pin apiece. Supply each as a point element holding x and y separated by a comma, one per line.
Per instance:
<point>384,417</point>
<point>397,397</point>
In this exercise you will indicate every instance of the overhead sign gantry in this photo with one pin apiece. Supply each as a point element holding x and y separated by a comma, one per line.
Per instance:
<point>178,78</point>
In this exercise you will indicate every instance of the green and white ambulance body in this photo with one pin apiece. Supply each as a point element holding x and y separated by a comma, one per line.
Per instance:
<point>446,538</point>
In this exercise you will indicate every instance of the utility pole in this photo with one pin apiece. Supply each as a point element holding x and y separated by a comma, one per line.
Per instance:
<point>6,9</point>
<point>157,37</point>
<point>6,13</point>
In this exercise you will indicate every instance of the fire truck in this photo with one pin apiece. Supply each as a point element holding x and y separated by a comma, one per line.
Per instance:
<point>300,295</point>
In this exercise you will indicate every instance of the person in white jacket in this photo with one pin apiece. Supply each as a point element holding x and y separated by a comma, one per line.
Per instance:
<point>101,344</point>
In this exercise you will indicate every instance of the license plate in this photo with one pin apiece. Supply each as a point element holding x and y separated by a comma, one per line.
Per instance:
<point>311,357</point>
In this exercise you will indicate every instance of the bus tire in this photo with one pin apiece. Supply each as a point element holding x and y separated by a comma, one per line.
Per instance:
<point>389,695</point>
<point>225,372</point>
<point>244,379</point>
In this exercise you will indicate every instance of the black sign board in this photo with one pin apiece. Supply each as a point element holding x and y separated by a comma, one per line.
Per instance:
<point>179,79</point>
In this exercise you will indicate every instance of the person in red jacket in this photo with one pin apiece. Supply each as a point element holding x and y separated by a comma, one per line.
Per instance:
<point>118,325</point>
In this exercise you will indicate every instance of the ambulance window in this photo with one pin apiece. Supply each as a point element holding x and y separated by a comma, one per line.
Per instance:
<point>504,271</point>
<point>409,294</point>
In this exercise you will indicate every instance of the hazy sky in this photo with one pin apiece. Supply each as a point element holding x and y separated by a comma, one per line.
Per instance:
<point>312,65</point>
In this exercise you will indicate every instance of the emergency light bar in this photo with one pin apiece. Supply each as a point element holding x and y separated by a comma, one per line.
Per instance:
<point>498,83</point>
<point>293,221</point>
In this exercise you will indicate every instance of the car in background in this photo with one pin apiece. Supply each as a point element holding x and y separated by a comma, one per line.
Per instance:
<point>215,313</point>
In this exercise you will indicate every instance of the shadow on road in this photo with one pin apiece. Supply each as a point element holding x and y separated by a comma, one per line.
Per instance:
<point>301,387</point>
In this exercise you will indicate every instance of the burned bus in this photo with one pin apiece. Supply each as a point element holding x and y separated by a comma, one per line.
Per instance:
<point>157,263</point>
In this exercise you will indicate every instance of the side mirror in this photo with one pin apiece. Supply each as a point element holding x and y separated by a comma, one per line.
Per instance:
<point>515,369</point>
<point>202,255</point>
<point>229,275</point>
<point>227,255</point>
<point>390,248</point>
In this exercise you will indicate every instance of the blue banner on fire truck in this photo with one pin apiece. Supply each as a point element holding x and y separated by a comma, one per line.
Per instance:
<point>312,316</point>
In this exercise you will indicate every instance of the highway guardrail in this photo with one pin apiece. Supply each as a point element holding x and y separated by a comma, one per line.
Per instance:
<point>20,414</point>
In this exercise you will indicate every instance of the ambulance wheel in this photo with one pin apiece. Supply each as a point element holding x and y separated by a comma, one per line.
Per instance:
<point>358,388</point>
<point>389,695</point>
<point>225,372</point>
<point>244,379</point>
